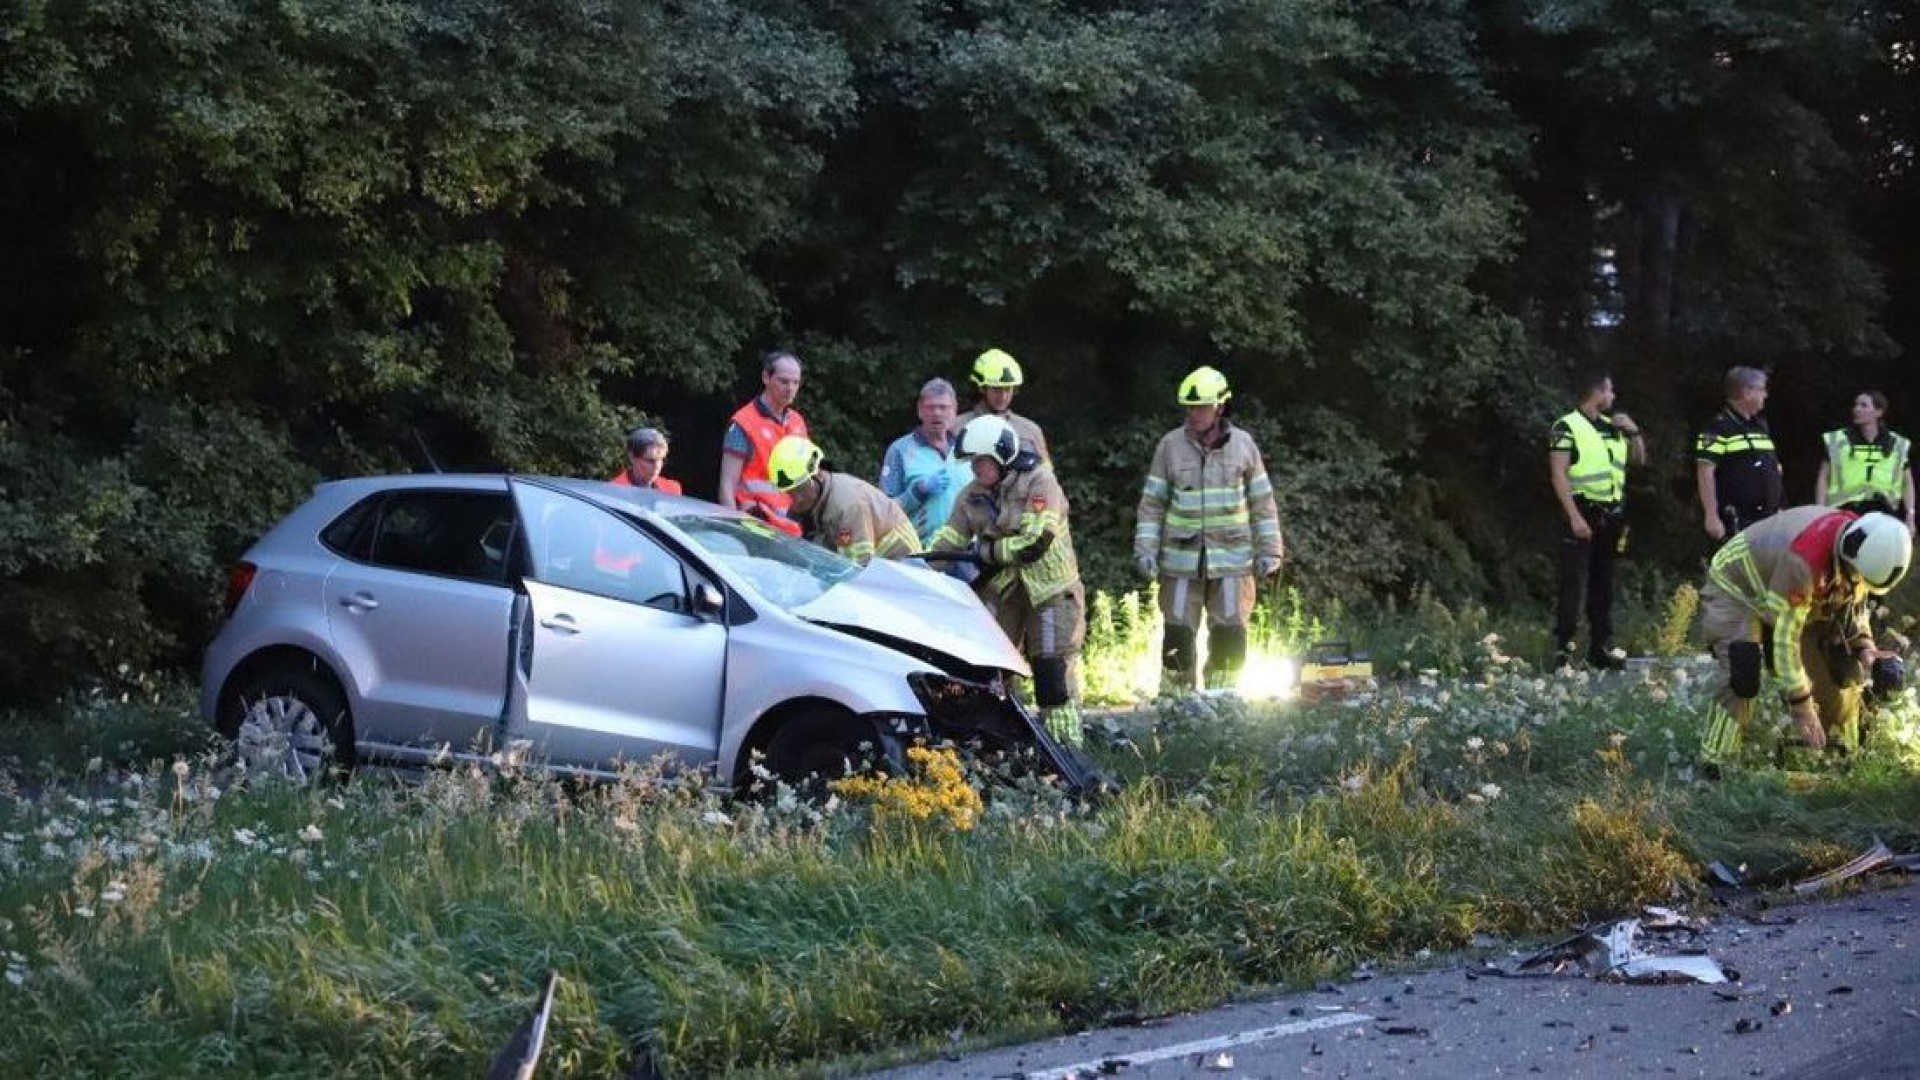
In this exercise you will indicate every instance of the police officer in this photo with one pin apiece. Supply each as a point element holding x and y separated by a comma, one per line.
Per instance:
<point>997,376</point>
<point>1587,460</point>
<point>1206,525</point>
<point>1013,516</point>
<point>1736,468</point>
<point>1866,466</point>
<point>839,512</point>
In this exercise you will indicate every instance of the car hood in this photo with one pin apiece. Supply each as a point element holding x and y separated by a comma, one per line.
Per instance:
<point>915,607</point>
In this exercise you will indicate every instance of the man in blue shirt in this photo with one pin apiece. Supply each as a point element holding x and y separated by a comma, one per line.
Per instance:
<point>921,471</point>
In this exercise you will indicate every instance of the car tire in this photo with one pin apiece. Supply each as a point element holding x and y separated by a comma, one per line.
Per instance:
<point>291,719</point>
<point>814,748</point>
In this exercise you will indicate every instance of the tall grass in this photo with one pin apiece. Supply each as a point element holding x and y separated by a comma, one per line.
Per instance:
<point>188,918</point>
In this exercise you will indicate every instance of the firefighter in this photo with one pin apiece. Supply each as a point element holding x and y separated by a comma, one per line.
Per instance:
<point>1587,462</point>
<point>1736,469</point>
<point>997,375</point>
<point>839,512</point>
<point>646,456</point>
<point>1804,577</point>
<point>1013,516</point>
<point>1207,526</point>
<point>1867,467</point>
<point>755,428</point>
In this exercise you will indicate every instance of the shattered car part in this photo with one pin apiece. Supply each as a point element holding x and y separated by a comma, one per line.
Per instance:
<point>1867,860</point>
<point>1611,953</point>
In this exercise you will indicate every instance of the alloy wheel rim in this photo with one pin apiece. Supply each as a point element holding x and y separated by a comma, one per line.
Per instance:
<point>281,733</point>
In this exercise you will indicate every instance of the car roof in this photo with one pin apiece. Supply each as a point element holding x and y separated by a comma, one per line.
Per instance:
<point>617,497</point>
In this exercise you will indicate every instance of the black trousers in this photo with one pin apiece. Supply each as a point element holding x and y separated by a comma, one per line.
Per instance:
<point>1586,574</point>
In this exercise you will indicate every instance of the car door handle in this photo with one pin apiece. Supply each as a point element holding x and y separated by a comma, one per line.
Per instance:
<point>360,601</point>
<point>560,624</point>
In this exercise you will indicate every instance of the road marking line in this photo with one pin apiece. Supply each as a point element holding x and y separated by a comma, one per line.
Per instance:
<point>1202,1046</point>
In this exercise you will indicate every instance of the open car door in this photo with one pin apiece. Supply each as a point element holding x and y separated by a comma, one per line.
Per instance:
<point>618,666</point>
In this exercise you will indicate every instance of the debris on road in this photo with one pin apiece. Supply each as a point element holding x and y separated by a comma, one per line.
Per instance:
<point>1220,1062</point>
<point>1612,953</point>
<point>1870,859</point>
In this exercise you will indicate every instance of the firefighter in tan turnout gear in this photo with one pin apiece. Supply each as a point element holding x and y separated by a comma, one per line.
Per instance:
<point>840,512</point>
<point>1805,575</point>
<point>1013,516</point>
<point>1207,527</point>
<point>997,376</point>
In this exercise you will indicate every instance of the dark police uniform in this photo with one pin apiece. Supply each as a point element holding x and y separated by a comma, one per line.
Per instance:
<point>1746,469</point>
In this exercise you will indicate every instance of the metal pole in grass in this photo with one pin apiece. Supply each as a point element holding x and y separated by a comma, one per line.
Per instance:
<point>522,1052</point>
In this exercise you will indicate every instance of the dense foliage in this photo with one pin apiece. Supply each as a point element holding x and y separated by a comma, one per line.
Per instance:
<point>250,245</point>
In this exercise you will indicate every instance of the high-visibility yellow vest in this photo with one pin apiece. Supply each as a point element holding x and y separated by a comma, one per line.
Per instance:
<point>1857,471</point>
<point>1598,472</point>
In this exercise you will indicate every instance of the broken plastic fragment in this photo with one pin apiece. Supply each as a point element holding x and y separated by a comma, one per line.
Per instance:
<point>1860,864</point>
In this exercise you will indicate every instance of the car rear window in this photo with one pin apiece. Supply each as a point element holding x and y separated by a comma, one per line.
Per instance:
<point>462,534</point>
<point>352,531</point>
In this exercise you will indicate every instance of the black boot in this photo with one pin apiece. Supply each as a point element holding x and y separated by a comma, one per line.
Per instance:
<point>1176,659</point>
<point>1226,655</point>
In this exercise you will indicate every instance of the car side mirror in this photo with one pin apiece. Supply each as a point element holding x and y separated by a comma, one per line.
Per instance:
<point>708,600</point>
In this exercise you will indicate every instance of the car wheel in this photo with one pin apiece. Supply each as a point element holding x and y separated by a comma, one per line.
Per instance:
<point>292,721</point>
<point>814,748</point>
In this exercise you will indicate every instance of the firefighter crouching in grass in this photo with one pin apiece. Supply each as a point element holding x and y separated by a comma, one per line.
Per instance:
<point>1805,576</point>
<point>1013,516</point>
<point>839,512</point>
<point>1207,525</point>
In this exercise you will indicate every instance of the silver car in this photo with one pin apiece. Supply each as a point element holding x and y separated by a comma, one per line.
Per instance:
<point>404,620</point>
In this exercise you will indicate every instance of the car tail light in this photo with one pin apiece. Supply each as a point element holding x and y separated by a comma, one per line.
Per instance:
<point>237,584</point>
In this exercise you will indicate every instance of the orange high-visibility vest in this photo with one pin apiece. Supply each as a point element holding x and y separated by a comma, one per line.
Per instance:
<point>756,493</point>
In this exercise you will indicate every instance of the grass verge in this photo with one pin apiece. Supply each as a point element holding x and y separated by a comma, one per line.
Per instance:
<point>183,918</point>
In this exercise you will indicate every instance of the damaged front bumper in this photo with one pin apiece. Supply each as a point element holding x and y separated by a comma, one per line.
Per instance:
<point>985,715</point>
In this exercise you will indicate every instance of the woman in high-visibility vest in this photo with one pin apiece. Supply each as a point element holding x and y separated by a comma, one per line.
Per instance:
<point>1867,467</point>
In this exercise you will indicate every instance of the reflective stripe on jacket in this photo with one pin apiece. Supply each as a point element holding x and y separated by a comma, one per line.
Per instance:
<point>1028,510</point>
<point>1214,502</point>
<point>763,430</point>
<point>1858,470</point>
<point>1783,570</point>
<point>1597,471</point>
<point>857,520</point>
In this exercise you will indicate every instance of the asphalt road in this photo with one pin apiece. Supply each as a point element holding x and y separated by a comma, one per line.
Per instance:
<point>1827,989</point>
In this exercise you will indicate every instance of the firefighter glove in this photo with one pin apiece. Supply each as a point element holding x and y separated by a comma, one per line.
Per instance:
<point>1268,565</point>
<point>1033,552</point>
<point>1148,565</point>
<point>983,552</point>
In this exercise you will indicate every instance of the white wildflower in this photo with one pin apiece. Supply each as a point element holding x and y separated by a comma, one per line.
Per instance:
<point>1617,739</point>
<point>1489,791</point>
<point>181,769</point>
<point>245,837</point>
<point>83,911</point>
<point>1354,783</point>
<point>716,818</point>
<point>312,834</point>
<point>115,892</point>
<point>1475,742</point>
